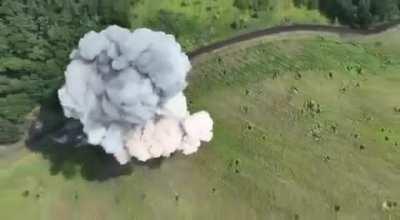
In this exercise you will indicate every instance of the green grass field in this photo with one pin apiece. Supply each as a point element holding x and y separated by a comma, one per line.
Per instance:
<point>305,128</point>
<point>199,22</point>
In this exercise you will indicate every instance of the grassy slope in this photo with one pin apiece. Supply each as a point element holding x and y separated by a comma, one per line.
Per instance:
<point>205,21</point>
<point>273,156</point>
<point>301,159</point>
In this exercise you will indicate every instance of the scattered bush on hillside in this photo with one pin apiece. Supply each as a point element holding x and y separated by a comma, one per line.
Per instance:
<point>9,132</point>
<point>178,24</point>
<point>254,5</point>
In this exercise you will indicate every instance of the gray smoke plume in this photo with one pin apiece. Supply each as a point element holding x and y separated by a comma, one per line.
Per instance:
<point>126,88</point>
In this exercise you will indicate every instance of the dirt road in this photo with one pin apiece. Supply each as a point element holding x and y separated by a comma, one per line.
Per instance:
<point>288,29</point>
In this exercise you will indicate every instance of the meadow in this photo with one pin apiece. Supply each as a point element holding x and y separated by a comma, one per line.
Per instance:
<point>306,127</point>
<point>196,23</point>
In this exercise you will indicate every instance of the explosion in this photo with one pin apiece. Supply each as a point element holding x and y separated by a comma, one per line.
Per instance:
<point>126,88</point>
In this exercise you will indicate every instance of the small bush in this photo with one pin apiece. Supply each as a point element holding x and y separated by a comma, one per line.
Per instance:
<point>9,132</point>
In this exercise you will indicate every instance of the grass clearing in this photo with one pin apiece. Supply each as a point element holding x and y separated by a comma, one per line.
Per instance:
<point>197,23</point>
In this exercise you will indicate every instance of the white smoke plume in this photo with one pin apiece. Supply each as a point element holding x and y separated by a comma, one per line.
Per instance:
<point>126,88</point>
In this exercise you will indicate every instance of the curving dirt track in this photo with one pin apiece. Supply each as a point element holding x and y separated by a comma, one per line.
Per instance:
<point>291,28</point>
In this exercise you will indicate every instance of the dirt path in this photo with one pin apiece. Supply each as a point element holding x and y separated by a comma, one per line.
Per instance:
<point>324,29</point>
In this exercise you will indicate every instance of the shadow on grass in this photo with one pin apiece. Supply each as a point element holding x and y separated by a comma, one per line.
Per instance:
<point>63,143</point>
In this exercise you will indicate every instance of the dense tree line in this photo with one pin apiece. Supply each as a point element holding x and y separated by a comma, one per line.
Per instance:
<point>357,13</point>
<point>35,40</point>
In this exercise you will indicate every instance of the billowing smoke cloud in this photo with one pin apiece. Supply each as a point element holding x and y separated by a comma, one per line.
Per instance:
<point>126,88</point>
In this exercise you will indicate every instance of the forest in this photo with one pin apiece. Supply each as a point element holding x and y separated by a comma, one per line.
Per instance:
<point>356,13</point>
<point>36,39</point>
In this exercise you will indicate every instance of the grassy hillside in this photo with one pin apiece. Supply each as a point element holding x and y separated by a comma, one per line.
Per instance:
<point>306,128</point>
<point>199,22</point>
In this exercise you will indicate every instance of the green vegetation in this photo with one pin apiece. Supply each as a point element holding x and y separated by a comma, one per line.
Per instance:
<point>199,22</point>
<point>35,41</point>
<point>8,132</point>
<point>305,128</point>
<point>309,129</point>
<point>357,13</point>
<point>38,35</point>
<point>311,122</point>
